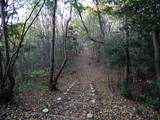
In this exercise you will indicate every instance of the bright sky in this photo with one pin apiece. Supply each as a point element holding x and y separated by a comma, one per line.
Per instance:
<point>87,2</point>
<point>23,12</point>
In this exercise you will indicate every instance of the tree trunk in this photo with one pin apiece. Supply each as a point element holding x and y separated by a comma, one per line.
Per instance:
<point>7,78</point>
<point>4,35</point>
<point>155,36</point>
<point>1,71</point>
<point>52,62</point>
<point>65,53</point>
<point>126,35</point>
<point>4,30</point>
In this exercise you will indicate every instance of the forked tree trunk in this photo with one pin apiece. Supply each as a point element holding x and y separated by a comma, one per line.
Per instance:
<point>7,78</point>
<point>65,51</point>
<point>55,77</point>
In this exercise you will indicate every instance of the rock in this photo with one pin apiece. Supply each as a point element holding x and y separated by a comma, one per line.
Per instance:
<point>45,110</point>
<point>93,101</point>
<point>59,99</point>
<point>65,93</point>
<point>89,115</point>
<point>93,94</point>
<point>93,91</point>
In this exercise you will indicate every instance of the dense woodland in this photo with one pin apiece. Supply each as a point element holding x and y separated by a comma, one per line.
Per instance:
<point>41,39</point>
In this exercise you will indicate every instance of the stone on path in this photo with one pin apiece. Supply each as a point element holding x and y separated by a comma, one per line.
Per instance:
<point>45,110</point>
<point>93,91</point>
<point>59,99</point>
<point>93,94</point>
<point>72,102</point>
<point>62,117</point>
<point>89,115</point>
<point>93,101</point>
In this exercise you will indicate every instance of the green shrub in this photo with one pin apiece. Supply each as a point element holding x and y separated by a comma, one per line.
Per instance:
<point>138,110</point>
<point>32,82</point>
<point>153,100</point>
<point>38,74</point>
<point>114,51</point>
<point>28,86</point>
<point>152,95</point>
<point>24,87</point>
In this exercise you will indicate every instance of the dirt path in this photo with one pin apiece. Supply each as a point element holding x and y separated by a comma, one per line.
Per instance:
<point>84,96</point>
<point>89,97</point>
<point>79,100</point>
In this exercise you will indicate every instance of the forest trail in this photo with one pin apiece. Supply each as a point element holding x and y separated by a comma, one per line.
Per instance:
<point>88,96</point>
<point>84,95</point>
<point>36,37</point>
<point>79,98</point>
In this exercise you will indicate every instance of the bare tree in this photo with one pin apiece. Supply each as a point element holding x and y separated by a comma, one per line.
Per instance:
<point>9,59</point>
<point>52,62</point>
<point>54,80</point>
<point>126,37</point>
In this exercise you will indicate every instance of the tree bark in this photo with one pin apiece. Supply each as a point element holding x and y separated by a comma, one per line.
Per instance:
<point>52,62</point>
<point>1,71</point>
<point>155,36</point>
<point>4,35</point>
<point>6,91</point>
<point>4,29</point>
<point>126,35</point>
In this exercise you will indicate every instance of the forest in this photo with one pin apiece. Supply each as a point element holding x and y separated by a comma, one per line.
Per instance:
<point>79,59</point>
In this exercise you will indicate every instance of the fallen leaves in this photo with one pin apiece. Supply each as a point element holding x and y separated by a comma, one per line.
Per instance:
<point>102,104</point>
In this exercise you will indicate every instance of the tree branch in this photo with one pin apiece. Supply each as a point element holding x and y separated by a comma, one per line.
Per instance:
<point>85,27</point>
<point>24,31</point>
<point>96,2</point>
